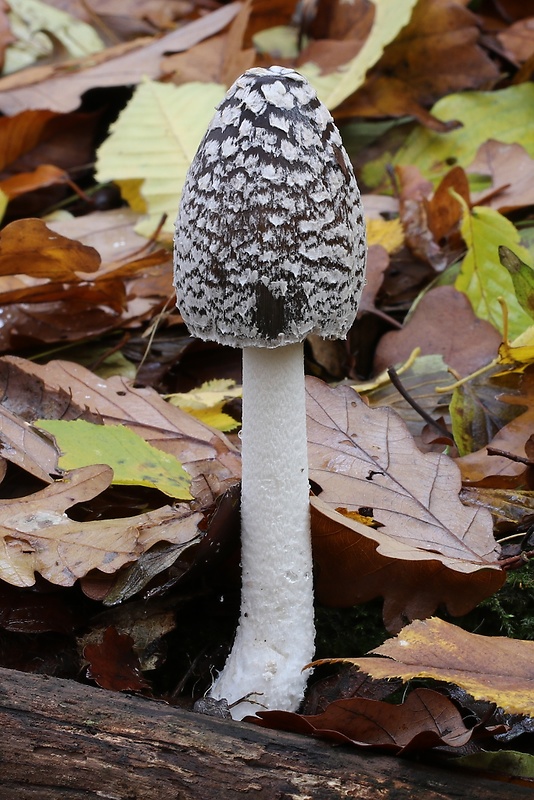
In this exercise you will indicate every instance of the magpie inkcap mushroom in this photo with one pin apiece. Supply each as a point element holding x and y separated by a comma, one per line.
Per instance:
<point>269,248</point>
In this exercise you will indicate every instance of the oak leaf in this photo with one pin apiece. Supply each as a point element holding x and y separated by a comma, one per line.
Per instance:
<point>429,550</point>
<point>36,535</point>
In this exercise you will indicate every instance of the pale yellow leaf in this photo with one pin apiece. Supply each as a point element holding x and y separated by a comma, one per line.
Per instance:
<point>387,232</point>
<point>31,20</point>
<point>390,18</point>
<point>153,141</point>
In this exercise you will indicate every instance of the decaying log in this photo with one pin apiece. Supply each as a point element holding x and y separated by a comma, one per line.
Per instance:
<point>61,739</point>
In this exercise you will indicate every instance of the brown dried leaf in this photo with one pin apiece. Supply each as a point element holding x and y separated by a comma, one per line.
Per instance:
<point>28,246</point>
<point>426,719</point>
<point>113,663</point>
<point>45,175</point>
<point>443,323</point>
<point>60,87</point>
<point>512,438</point>
<point>437,53</point>
<point>21,133</point>
<point>430,548</point>
<point>75,303</point>
<point>21,444</point>
<point>64,390</point>
<point>518,39</point>
<point>492,668</point>
<point>512,173</point>
<point>37,536</point>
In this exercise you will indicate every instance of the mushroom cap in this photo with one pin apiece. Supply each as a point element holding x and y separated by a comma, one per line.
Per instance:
<point>270,236</point>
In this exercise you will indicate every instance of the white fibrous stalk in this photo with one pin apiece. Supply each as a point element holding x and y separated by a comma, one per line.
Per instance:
<point>275,637</point>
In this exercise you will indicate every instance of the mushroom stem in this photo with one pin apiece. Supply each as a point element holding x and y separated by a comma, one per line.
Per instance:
<point>275,637</point>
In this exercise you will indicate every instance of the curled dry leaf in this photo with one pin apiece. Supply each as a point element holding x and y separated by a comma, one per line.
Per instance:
<point>37,536</point>
<point>492,668</point>
<point>27,245</point>
<point>426,719</point>
<point>60,87</point>
<point>430,549</point>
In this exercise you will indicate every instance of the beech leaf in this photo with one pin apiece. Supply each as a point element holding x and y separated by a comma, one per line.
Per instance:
<point>152,144</point>
<point>492,668</point>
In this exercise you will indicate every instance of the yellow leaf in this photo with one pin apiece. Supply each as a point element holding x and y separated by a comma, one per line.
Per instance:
<point>153,143</point>
<point>520,352</point>
<point>390,17</point>
<point>388,233</point>
<point>134,461</point>
<point>32,20</point>
<point>492,668</point>
<point>206,403</point>
<point>215,417</point>
<point>482,277</point>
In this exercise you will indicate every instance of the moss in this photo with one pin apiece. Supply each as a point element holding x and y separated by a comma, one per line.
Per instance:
<point>509,612</point>
<point>349,632</point>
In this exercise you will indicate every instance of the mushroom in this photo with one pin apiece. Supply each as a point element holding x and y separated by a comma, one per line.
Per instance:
<point>270,247</point>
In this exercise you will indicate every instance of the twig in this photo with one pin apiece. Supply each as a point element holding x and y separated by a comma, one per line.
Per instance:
<point>397,383</point>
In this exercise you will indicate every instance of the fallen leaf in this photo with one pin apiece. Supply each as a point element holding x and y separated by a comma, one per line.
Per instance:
<point>36,535</point>
<point>424,720</point>
<point>113,663</point>
<point>482,277</point>
<point>492,668</point>
<point>437,52</point>
<point>206,403</point>
<point>428,539</point>
<point>387,233</point>
<point>414,190</point>
<point>503,115</point>
<point>77,37</point>
<point>511,170</point>
<point>24,446</point>
<point>61,88</point>
<point>511,438</point>
<point>522,278</point>
<point>153,143</point>
<point>390,17</point>
<point>505,504</point>
<point>442,323</point>
<point>419,379</point>
<point>20,133</point>
<point>518,39</point>
<point>44,175</point>
<point>28,246</point>
<point>478,411</point>
<point>64,390</point>
<point>134,462</point>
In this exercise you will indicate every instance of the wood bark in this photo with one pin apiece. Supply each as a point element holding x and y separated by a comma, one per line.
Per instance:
<point>61,739</point>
